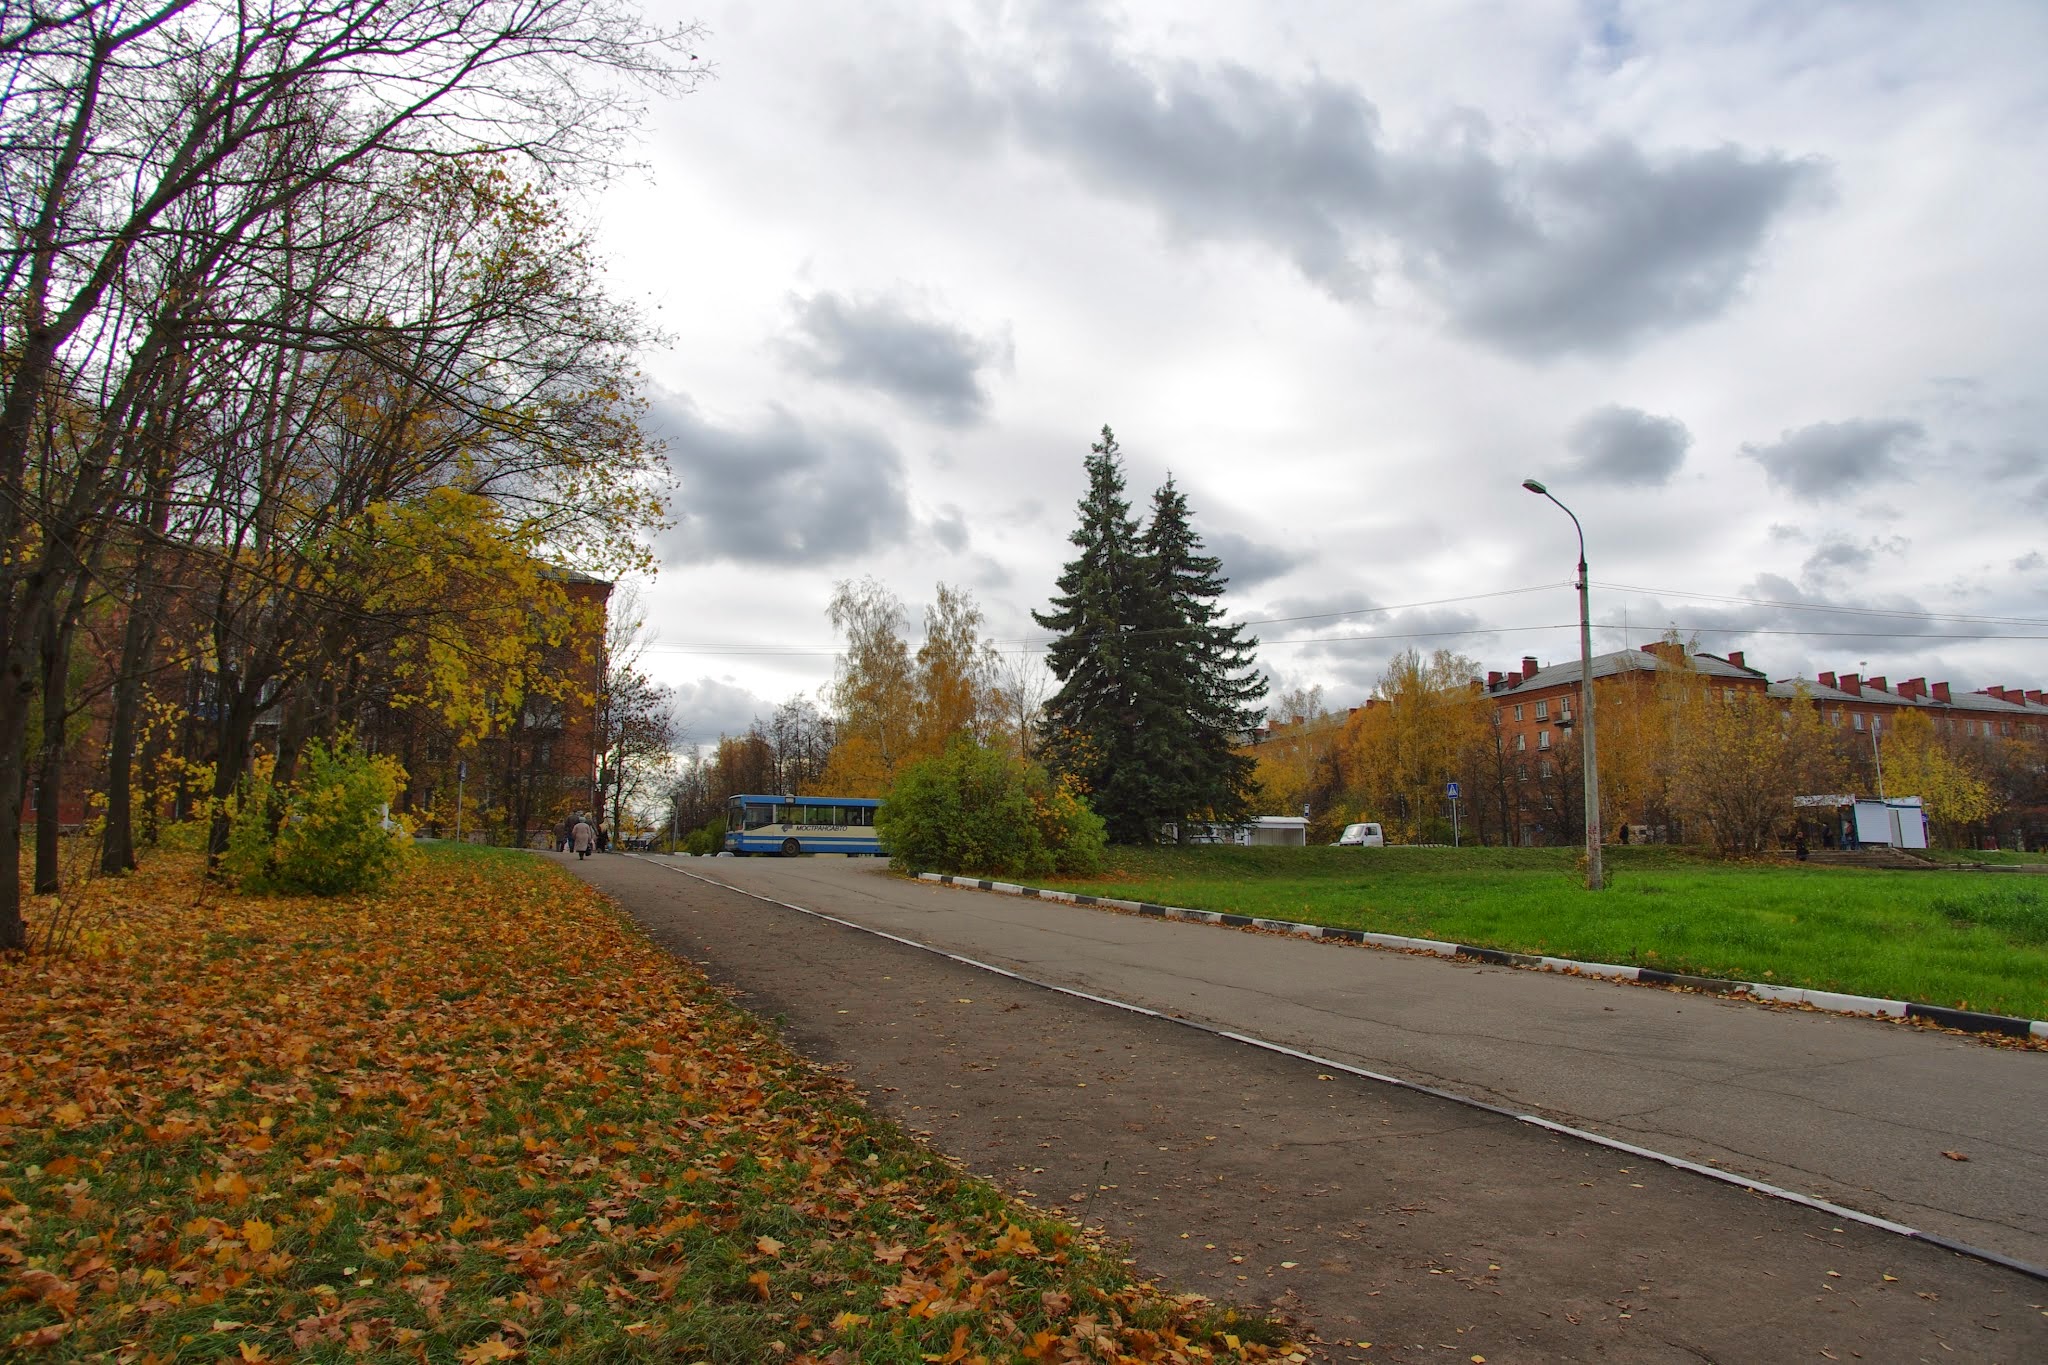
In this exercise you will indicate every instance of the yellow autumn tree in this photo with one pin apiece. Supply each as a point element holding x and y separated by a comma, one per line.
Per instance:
<point>1406,743</point>
<point>1635,750</point>
<point>1738,759</point>
<point>1297,763</point>
<point>956,675</point>
<point>873,691</point>
<point>1954,795</point>
<point>893,707</point>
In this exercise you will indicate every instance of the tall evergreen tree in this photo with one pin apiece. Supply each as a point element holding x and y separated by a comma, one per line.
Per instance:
<point>1209,681</point>
<point>1093,723</point>
<point>1153,692</point>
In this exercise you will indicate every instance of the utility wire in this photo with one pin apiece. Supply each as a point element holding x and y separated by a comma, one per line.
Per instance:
<point>1037,645</point>
<point>1826,607</point>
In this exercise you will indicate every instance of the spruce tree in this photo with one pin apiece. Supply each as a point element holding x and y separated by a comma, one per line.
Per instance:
<point>1154,694</point>
<point>1093,722</point>
<point>1207,676</point>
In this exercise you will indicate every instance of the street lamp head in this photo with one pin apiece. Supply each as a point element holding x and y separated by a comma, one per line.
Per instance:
<point>1535,487</point>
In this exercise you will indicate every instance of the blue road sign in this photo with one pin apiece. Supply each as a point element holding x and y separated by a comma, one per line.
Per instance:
<point>1451,790</point>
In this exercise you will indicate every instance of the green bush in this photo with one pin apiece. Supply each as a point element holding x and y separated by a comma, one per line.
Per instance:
<point>331,839</point>
<point>972,809</point>
<point>705,840</point>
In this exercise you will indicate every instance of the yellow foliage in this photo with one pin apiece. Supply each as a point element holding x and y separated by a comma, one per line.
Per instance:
<point>1404,745</point>
<point>1917,764</point>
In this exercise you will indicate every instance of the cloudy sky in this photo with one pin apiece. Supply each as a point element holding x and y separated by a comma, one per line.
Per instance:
<point>1758,289</point>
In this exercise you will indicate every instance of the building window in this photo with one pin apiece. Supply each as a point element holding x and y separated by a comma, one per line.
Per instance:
<point>1521,772</point>
<point>1548,771</point>
<point>1543,739</point>
<point>1857,722</point>
<point>1543,710</point>
<point>1518,710</point>
<point>1876,723</point>
<point>1521,744</point>
<point>1564,713</point>
<point>1836,718</point>
<point>1728,694</point>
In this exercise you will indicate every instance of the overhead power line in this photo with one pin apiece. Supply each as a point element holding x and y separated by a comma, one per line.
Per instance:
<point>1037,644</point>
<point>1830,608</point>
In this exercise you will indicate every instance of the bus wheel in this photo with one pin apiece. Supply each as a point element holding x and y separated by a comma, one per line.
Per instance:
<point>790,848</point>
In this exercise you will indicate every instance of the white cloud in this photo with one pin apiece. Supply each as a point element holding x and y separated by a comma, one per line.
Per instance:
<point>1755,291</point>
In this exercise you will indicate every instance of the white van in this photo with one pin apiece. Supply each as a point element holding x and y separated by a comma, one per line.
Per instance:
<point>1362,835</point>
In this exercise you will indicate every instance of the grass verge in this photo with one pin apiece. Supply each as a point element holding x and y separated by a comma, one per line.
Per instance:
<point>479,1118</point>
<point>1962,939</point>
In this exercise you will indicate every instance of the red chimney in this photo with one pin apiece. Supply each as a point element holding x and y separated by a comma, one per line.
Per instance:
<point>2012,694</point>
<point>1493,678</point>
<point>1852,683</point>
<point>1877,683</point>
<point>1735,657</point>
<point>1528,665</point>
<point>1941,693</point>
<point>2037,696</point>
<point>1827,680</point>
<point>1912,689</point>
<point>1514,680</point>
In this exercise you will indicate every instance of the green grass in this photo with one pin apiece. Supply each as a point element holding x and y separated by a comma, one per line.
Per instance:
<point>1990,857</point>
<point>1964,939</point>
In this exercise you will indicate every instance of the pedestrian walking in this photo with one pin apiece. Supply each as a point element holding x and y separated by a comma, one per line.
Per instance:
<point>584,838</point>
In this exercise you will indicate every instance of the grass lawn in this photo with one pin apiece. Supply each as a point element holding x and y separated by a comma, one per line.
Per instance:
<point>481,1117</point>
<point>1969,940</point>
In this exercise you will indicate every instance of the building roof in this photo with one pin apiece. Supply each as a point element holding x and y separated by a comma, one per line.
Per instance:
<point>1926,701</point>
<point>1625,661</point>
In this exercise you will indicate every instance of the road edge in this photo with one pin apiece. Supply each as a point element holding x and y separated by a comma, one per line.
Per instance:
<point>1833,1002</point>
<point>1713,1173</point>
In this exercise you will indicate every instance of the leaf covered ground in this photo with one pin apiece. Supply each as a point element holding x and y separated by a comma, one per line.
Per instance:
<point>481,1117</point>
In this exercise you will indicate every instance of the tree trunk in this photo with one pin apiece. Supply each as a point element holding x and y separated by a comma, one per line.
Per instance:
<point>15,692</point>
<point>58,635</point>
<point>231,761</point>
<point>138,637</point>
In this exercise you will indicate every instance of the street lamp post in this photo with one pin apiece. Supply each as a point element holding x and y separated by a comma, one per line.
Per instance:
<point>1596,877</point>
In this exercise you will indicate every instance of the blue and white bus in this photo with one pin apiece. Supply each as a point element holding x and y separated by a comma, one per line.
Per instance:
<point>791,825</point>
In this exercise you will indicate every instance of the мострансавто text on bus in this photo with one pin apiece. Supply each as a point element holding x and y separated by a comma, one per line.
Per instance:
<point>792,825</point>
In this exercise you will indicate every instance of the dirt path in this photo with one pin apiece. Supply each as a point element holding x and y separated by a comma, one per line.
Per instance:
<point>1365,1213</point>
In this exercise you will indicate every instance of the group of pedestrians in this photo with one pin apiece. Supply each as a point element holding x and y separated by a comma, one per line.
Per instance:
<point>577,835</point>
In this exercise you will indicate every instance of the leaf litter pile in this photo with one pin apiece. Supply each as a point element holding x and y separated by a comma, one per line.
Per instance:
<point>481,1117</point>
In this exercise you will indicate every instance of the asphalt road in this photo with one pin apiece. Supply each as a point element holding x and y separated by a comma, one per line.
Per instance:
<point>1376,1213</point>
<point>1857,1112</point>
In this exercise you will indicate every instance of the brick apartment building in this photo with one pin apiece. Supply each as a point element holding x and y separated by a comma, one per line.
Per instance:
<point>515,786</point>
<point>518,783</point>
<point>1534,707</point>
